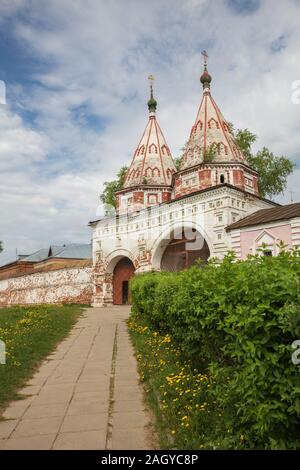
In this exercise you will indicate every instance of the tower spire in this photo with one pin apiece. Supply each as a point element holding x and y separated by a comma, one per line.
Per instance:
<point>205,78</point>
<point>152,103</point>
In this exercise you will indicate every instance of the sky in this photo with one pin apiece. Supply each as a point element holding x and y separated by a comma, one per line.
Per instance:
<point>75,73</point>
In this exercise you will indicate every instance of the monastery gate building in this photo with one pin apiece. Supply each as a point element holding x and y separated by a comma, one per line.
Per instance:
<point>167,219</point>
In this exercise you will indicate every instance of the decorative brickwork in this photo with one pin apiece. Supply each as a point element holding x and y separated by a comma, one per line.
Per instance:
<point>73,285</point>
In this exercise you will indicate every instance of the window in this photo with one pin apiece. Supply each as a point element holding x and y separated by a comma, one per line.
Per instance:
<point>267,252</point>
<point>234,217</point>
<point>190,181</point>
<point>222,179</point>
<point>152,199</point>
<point>265,244</point>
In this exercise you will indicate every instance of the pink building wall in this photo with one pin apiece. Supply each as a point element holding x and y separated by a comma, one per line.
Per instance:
<point>249,235</point>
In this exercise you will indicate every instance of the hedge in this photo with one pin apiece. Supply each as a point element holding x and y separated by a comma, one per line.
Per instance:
<point>236,320</point>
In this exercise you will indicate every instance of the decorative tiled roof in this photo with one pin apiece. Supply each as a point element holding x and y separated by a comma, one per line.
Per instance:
<point>152,162</point>
<point>210,133</point>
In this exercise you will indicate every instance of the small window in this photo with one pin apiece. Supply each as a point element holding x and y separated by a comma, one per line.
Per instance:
<point>267,252</point>
<point>234,217</point>
<point>222,179</point>
<point>152,199</point>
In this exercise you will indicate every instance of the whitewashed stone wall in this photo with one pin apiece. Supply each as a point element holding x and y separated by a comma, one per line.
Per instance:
<point>70,285</point>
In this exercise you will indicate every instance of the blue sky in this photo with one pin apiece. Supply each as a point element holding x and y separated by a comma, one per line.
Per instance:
<point>76,78</point>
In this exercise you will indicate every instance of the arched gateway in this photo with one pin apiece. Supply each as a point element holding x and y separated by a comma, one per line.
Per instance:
<point>184,250</point>
<point>180,250</point>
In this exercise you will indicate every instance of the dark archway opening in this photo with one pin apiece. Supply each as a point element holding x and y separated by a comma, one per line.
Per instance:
<point>184,250</point>
<point>125,292</point>
<point>123,272</point>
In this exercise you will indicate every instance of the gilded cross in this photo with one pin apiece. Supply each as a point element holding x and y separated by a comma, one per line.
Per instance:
<point>205,57</point>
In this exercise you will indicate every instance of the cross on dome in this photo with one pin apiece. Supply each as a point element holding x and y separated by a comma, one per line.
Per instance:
<point>205,78</point>
<point>205,57</point>
<point>152,103</point>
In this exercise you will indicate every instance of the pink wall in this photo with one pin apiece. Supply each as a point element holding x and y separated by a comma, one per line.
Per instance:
<point>281,232</point>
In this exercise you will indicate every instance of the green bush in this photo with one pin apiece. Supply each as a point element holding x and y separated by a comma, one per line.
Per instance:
<point>237,321</point>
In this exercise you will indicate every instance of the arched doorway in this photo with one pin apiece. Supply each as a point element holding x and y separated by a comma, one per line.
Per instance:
<point>123,272</point>
<point>183,250</point>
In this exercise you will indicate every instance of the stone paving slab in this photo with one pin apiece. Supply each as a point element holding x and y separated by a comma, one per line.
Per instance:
<point>86,394</point>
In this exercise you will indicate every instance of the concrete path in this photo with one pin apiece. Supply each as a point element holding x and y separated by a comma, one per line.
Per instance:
<point>86,395</point>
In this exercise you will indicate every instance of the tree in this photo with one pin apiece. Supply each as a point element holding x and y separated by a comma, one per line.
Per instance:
<point>178,160</point>
<point>108,196</point>
<point>272,170</point>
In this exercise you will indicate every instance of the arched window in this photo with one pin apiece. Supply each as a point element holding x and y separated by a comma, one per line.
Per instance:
<point>141,150</point>
<point>213,124</point>
<point>152,148</point>
<point>222,179</point>
<point>165,149</point>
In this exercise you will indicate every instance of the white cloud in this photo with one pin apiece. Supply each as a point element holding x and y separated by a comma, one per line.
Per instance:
<point>88,97</point>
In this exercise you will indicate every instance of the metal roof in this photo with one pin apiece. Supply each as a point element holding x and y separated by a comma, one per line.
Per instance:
<point>74,250</point>
<point>55,249</point>
<point>265,216</point>
<point>37,255</point>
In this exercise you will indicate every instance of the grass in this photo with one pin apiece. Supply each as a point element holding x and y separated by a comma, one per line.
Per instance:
<point>30,334</point>
<point>187,417</point>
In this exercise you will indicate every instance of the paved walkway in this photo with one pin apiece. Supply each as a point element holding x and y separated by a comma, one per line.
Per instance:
<point>86,395</point>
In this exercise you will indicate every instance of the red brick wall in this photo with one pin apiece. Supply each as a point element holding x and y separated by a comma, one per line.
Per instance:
<point>123,271</point>
<point>18,268</point>
<point>255,185</point>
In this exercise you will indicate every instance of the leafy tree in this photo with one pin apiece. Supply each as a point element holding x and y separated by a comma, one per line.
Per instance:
<point>178,162</point>
<point>210,153</point>
<point>272,170</point>
<point>110,187</point>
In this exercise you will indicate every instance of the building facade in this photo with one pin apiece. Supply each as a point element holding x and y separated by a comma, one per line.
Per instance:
<point>265,230</point>
<point>168,218</point>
